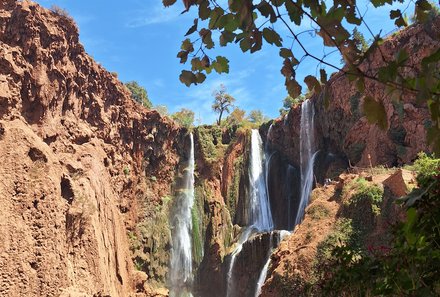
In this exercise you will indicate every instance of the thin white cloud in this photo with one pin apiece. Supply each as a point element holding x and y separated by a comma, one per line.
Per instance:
<point>155,15</point>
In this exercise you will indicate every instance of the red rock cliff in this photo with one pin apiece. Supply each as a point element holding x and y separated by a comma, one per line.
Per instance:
<point>343,129</point>
<point>74,152</point>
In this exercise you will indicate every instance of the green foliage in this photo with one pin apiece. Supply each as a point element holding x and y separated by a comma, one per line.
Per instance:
<point>426,167</point>
<point>126,171</point>
<point>343,234</point>
<point>251,23</point>
<point>236,118</point>
<point>290,102</point>
<point>222,102</point>
<point>257,117</point>
<point>318,211</point>
<point>161,109</point>
<point>410,266</point>
<point>210,140</point>
<point>138,94</point>
<point>184,117</point>
<point>366,199</point>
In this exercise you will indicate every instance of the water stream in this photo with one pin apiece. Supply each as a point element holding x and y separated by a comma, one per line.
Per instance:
<point>260,216</point>
<point>181,275</point>
<point>307,156</point>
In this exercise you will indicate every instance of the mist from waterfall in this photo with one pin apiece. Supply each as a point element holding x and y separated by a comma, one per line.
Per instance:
<point>307,156</point>
<point>181,275</point>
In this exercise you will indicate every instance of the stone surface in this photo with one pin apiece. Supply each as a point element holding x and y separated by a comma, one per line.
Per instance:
<point>75,153</point>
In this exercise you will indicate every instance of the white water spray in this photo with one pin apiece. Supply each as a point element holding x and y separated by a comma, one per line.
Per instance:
<point>181,253</point>
<point>307,156</point>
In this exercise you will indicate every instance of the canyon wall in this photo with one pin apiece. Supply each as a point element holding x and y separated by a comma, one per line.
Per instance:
<point>342,128</point>
<point>80,163</point>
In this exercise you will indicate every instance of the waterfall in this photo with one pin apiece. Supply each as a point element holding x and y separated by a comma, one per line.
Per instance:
<point>263,273</point>
<point>243,238</point>
<point>181,254</point>
<point>307,156</point>
<point>260,216</point>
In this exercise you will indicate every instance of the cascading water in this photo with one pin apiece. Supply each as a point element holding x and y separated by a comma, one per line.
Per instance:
<point>263,273</point>
<point>260,217</point>
<point>307,156</point>
<point>181,255</point>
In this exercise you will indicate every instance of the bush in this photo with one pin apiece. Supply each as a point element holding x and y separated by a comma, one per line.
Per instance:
<point>410,266</point>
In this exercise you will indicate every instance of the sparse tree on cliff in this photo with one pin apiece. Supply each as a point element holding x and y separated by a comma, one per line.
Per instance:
<point>236,117</point>
<point>289,102</point>
<point>139,94</point>
<point>185,117</point>
<point>222,102</point>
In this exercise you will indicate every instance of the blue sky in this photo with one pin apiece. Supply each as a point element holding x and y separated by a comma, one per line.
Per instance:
<point>139,39</point>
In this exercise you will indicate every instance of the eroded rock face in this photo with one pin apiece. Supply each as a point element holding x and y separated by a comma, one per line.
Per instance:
<point>76,153</point>
<point>342,128</point>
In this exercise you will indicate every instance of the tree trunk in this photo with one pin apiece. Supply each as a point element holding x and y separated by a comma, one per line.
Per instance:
<point>220,118</point>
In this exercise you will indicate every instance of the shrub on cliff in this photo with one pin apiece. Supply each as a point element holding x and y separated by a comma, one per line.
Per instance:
<point>410,266</point>
<point>138,94</point>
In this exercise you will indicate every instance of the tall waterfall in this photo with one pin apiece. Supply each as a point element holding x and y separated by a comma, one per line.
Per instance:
<point>260,216</point>
<point>181,254</point>
<point>307,156</point>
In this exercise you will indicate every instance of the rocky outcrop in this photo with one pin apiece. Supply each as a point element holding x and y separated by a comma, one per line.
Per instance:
<point>342,129</point>
<point>79,162</point>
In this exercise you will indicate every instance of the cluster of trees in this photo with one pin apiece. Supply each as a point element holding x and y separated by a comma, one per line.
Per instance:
<point>223,103</point>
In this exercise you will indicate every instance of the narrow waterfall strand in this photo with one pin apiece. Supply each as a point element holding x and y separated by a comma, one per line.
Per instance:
<point>181,253</point>
<point>307,156</point>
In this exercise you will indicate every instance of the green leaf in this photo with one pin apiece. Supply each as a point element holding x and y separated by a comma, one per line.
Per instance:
<point>267,11</point>
<point>193,28</point>
<point>286,53</point>
<point>167,3</point>
<point>312,83</point>
<point>200,77</point>
<point>206,38</point>
<point>221,65</point>
<point>394,14</point>
<point>187,45</point>
<point>375,112</point>
<point>196,64</point>
<point>295,14</point>
<point>187,77</point>
<point>272,37</point>
<point>323,75</point>
<point>226,37</point>
<point>423,4</point>
<point>293,88</point>
<point>204,10</point>
<point>245,44</point>
<point>183,55</point>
